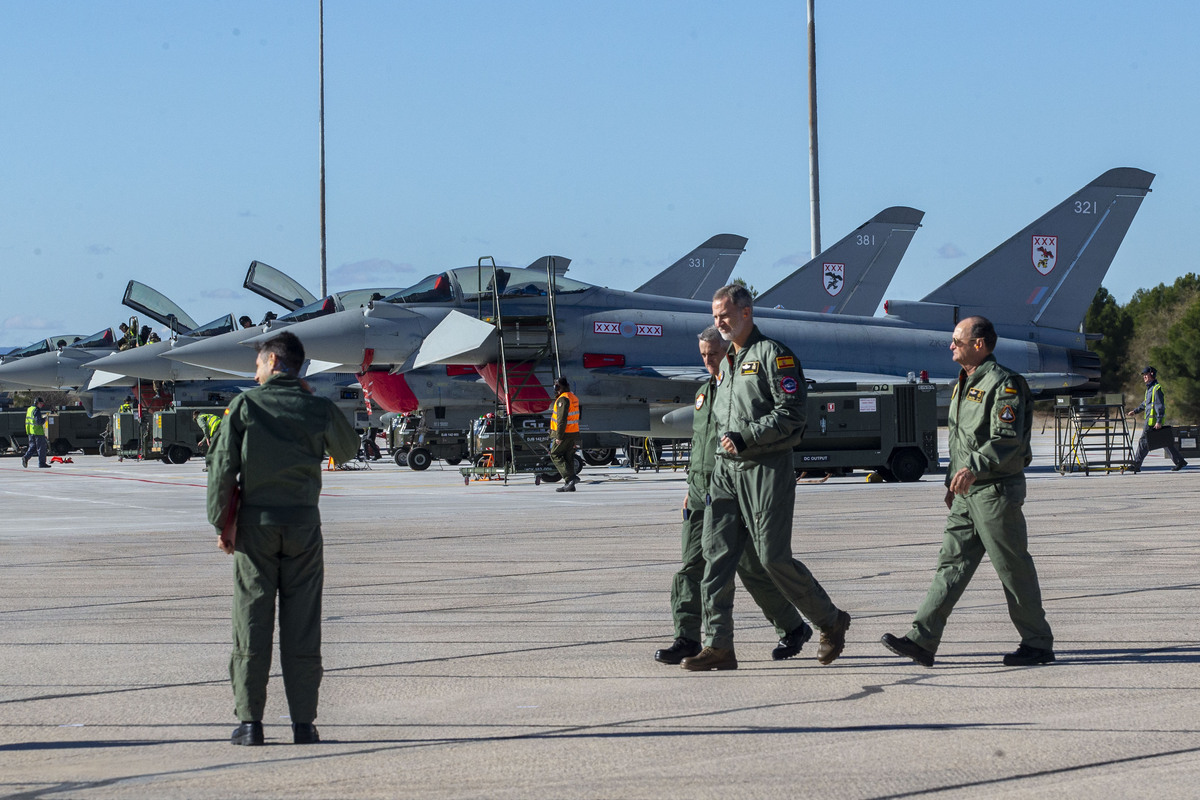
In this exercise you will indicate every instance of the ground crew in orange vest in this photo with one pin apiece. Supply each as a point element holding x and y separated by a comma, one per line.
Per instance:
<point>564,430</point>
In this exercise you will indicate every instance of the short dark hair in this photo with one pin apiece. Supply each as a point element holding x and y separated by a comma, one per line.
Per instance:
<point>982,328</point>
<point>561,383</point>
<point>735,293</point>
<point>287,348</point>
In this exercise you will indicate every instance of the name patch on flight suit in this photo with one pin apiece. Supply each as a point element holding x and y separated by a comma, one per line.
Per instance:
<point>975,395</point>
<point>1007,414</point>
<point>784,362</point>
<point>699,401</point>
<point>750,368</point>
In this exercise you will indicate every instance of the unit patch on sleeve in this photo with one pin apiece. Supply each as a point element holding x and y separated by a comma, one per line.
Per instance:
<point>1007,414</point>
<point>784,362</point>
<point>975,395</point>
<point>789,385</point>
<point>699,402</point>
<point>750,368</point>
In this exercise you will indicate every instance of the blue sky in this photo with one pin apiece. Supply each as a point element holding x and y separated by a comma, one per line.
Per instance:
<point>173,143</point>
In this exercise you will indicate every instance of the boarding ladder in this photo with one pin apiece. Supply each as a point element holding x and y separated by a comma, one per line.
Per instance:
<point>525,345</point>
<point>1090,434</point>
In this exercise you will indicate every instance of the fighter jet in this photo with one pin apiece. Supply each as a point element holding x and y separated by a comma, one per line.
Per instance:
<point>709,264</point>
<point>63,367</point>
<point>118,368</point>
<point>634,351</point>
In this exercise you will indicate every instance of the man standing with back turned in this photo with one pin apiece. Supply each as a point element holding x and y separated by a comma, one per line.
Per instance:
<point>271,447</point>
<point>991,420</point>
<point>760,414</point>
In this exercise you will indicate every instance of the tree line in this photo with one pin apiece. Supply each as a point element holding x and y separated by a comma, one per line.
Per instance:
<point>1158,327</point>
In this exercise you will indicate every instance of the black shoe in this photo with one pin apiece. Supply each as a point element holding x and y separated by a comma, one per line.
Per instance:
<point>681,649</point>
<point>25,462</point>
<point>43,466</point>
<point>1026,656</point>
<point>247,733</point>
<point>305,733</point>
<point>903,646</point>
<point>1178,467</point>
<point>791,644</point>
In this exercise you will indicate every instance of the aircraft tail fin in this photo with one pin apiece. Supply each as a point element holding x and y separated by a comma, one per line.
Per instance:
<point>1046,275</point>
<point>701,272</point>
<point>851,276</point>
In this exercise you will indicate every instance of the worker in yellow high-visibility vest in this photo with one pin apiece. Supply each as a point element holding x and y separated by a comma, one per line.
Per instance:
<point>35,427</point>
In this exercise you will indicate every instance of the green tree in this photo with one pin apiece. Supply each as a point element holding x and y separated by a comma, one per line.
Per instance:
<point>1106,317</point>
<point>749,287</point>
<point>1178,363</point>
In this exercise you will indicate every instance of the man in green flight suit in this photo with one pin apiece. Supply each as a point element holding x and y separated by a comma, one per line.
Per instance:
<point>685,588</point>
<point>760,413</point>
<point>270,448</point>
<point>991,420</point>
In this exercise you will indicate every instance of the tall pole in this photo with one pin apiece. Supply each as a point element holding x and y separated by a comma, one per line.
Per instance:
<point>814,173</point>
<point>321,125</point>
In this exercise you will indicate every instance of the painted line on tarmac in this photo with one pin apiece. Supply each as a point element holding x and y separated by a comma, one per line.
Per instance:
<point>145,480</point>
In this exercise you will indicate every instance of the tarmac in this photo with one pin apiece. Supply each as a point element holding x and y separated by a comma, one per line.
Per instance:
<point>496,640</point>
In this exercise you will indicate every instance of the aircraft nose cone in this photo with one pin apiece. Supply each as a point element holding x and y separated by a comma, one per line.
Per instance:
<point>45,371</point>
<point>140,362</point>
<point>225,353</point>
<point>335,338</point>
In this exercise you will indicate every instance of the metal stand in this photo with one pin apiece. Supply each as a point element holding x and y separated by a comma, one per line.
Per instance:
<point>1090,434</point>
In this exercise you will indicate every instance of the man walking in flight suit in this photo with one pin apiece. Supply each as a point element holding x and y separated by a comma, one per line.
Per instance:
<point>271,445</point>
<point>760,412</point>
<point>1155,407</point>
<point>685,588</point>
<point>991,421</point>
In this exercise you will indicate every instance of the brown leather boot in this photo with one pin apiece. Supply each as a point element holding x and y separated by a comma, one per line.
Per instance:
<point>711,658</point>
<point>833,640</point>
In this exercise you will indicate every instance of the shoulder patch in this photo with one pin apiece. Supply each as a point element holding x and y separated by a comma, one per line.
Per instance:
<point>1007,414</point>
<point>1009,390</point>
<point>975,395</point>
<point>699,401</point>
<point>784,362</point>
<point>788,384</point>
<point>226,411</point>
<point>720,377</point>
<point>750,368</point>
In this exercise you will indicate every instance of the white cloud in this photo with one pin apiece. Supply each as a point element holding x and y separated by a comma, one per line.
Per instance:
<point>950,250</point>
<point>27,323</point>
<point>372,272</point>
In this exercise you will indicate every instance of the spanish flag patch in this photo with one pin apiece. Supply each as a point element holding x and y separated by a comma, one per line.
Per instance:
<point>784,362</point>
<point>1009,390</point>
